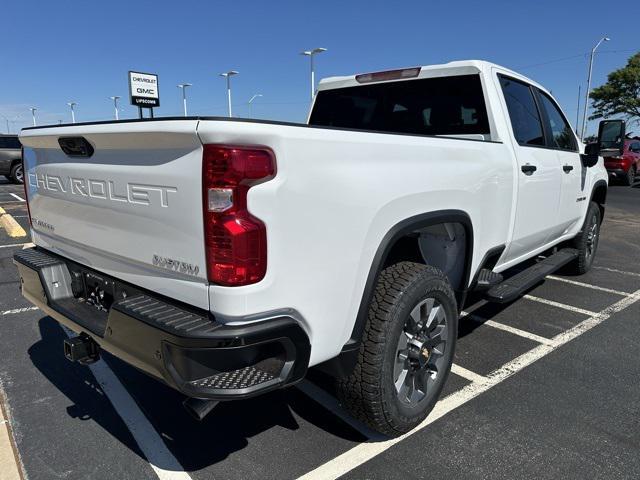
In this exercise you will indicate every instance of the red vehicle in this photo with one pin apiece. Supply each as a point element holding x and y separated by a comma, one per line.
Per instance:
<point>626,167</point>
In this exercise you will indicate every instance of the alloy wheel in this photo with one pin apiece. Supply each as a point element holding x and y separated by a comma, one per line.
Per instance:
<point>20,174</point>
<point>420,351</point>
<point>592,237</point>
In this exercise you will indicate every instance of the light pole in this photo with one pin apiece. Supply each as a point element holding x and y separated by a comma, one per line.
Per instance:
<point>578,108</point>
<point>310,54</point>
<point>586,100</point>
<point>33,115</point>
<point>73,115</point>
<point>251,101</point>
<point>228,76</point>
<point>115,99</point>
<point>184,86</point>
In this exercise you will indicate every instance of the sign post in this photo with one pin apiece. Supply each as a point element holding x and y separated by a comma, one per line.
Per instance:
<point>143,91</point>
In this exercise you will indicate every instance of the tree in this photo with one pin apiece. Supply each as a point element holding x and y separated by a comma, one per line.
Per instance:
<point>621,94</point>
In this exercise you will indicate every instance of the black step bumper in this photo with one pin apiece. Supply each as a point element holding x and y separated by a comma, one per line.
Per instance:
<point>186,348</point>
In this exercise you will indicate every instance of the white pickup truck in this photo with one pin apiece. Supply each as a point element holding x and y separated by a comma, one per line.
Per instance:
<point>225,256</point>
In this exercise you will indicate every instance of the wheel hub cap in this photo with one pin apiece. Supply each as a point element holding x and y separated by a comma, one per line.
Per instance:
<point>592,237</point>
<point>420,351</point>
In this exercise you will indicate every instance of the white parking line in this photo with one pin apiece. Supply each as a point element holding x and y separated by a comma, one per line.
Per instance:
<point>366,451</point>
<point>17,197</point>
<point>18,310</point>
<point>570,308</point>
<point>517,331</point>
<point>468,374</point>
<point>614,270</point>
<point>586,285</point>
<point>160,458</point>
<point>506,328</point>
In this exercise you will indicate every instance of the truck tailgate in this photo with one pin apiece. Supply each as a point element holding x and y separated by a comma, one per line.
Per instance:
<point>131,209</point>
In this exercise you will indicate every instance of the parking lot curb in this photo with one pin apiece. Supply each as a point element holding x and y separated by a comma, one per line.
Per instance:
<point>9,469</point>
<point>9,223</point>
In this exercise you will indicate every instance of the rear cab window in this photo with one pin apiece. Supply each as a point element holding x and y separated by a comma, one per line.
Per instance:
<point>452,105</point>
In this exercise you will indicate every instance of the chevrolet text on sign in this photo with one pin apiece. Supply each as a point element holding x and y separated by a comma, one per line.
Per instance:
<point>143,90</point>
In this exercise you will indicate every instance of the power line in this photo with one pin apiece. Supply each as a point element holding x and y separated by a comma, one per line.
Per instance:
<point>564,59</point>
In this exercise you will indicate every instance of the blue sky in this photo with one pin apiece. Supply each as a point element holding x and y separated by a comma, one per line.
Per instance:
<point>54,52</point>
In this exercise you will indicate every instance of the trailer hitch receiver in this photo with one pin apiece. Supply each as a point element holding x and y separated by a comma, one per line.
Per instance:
<point>82,349</point>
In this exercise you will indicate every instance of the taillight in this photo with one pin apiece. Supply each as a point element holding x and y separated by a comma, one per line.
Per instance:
<point>235,240</point>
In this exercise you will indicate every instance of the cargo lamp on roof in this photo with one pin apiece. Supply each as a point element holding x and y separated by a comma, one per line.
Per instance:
<point>388,75</point>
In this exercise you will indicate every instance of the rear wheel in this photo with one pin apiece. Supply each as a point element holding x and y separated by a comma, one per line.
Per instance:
<point>586,242</point>
<point>406,351</point>
<point>631,176</point>
<point>17,173</point>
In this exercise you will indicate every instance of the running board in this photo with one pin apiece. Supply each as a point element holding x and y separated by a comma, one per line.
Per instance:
<point>515,286</point>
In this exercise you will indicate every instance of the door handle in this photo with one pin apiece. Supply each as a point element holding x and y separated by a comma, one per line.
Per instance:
<point>567,168</point>
<point>528,169</point>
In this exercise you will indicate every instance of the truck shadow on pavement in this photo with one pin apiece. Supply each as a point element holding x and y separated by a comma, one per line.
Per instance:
<point>274,417</point>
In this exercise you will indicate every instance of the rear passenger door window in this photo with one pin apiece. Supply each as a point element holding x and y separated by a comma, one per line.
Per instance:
<point>523,112</point>
<point>560,131</point>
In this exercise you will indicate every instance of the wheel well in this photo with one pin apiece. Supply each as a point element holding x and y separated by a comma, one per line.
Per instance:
<point>443,239</point>
<point>442,245</point>
<point>599,196</point>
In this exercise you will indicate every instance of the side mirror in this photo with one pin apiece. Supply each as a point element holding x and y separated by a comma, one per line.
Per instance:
<point>592,149</point>
<point>589,158</point>
<point>611,138</point>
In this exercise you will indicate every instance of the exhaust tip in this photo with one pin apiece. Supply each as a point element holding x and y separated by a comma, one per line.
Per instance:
<point>199,408</point>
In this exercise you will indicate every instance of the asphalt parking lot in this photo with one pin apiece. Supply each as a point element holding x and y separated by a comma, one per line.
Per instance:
<point>545,387</point>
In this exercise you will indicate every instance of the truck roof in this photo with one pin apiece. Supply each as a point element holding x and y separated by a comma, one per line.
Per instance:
<point>458,67</point>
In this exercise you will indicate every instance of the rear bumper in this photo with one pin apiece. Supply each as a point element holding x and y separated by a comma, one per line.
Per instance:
<point>617,172</point>
<point>618,168</point>
<point>186,348</point>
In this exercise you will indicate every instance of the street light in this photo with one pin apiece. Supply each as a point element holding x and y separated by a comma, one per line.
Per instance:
<point>115,99</point>
<point>310,54</point>
<point>251,101</point>
<point>73,115</point>
<point>33,115</point>
<point>586,100</point>
<point>184,86</point>
<point>228,76</point>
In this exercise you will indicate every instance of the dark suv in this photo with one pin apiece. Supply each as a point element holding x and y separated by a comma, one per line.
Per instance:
<point>626,167</point>
<point>11,158</point>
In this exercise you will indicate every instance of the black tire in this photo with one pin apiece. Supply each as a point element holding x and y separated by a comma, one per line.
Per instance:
<point>630,178</point>
<point>586,242</point>
<point>371,392</point>
<point>17,173</point>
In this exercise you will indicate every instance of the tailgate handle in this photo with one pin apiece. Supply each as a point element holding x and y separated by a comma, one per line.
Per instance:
<point>75,146</point>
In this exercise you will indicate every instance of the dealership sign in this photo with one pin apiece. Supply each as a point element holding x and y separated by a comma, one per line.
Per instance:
<point>143,90</point>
